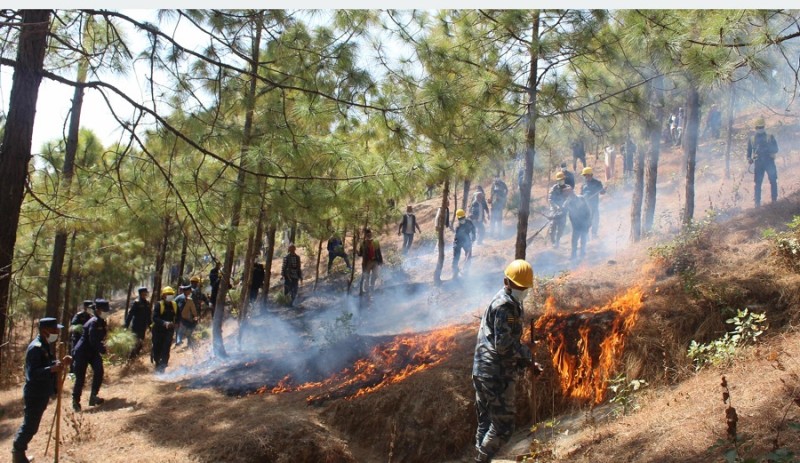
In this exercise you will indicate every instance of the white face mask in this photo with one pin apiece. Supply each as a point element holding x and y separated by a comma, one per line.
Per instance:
<point>51,338</point>
<point>562,182</point>
<point>462,220</point>
<point>519,294</point>
<point>170,298</point>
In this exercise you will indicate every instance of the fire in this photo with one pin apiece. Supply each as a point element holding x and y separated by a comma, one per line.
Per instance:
<point>587,345</point>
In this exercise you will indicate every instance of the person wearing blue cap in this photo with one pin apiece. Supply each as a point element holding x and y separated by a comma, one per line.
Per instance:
<point>41,372</point>
<point>89,351</point>
<point>76,327</point>
<point>138,320</point>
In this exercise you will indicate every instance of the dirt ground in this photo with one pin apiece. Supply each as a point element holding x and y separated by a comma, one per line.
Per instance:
<point>429,416</point>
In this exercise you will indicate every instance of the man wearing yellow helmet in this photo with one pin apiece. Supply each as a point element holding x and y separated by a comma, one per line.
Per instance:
<point>165,315</point>
<point>761,151</point>
<point>556,198</point>
<point>591,190</point>
<point>499,357</point>
<point>464,237</point>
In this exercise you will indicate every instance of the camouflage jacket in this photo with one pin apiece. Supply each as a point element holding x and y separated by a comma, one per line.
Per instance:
<point>499,352</point>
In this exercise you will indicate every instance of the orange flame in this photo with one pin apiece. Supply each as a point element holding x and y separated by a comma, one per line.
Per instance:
<point>587,345</point>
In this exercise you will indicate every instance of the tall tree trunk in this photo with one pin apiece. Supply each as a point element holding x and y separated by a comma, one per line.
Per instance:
<point>530,145</point>
<point>268,260</point>
<point>15,151</point>
<point>455,203</point>
<point>293,233</point>
<point>247,275</point>
<point>319,257</point>
<point>66,313</point>
<point>465,193</point>
<point>690,150</point>
<point>352,258</point>
<point>638,192</point>
<point>729,137</point>
<point>236,209</point>
<point>161,259</point>
<point>654,134</point>
<point>437,274</point>
<point>131,282</point>
<point>60,242</point>
<point>184,251</point>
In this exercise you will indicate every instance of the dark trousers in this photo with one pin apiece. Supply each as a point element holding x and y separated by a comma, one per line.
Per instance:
<point>32,416</point>
<point>214,292</point>
<point>496,223</point>
<point>333,255</point>
<point>137,348</point>
<point>494,405</point>
<point>557,228</point>
<point>290,288</point>
<point>580,233</point>
<point>762,166</point>
<point>457,256</point>
<point>408,239</point>
<point>595,208</point>
<point>81,363</point>
<point>162,342</point>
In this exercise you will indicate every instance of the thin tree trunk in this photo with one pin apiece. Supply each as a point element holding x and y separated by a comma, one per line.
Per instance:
<point>184,251</point>
<point>60,242</point>
<point>455,203</point>
<point>293,233</point>
<point>66,314</point>
<point>319,257</point>
<point>247,275</point>
<point>638,192</point>
<point>690,150</point>
<point>268,260</point>
<point>729,141</point>
<point>530,146</point>
<point>352,259</point>
<point>437,274</point>
<point>654,133</point>
<point>465,193</point>
<point>15,150</point>
<point>131,282</point>
<point>161,258</point>
<point>236,209</point>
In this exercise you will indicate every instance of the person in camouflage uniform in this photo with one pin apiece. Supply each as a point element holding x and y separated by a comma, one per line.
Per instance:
<point>499,356</point>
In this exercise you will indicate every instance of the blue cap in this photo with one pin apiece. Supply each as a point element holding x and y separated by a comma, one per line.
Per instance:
<point>49,322</point>
<point>101,304</point>
<point>142,289</point>
<point>88,303</point>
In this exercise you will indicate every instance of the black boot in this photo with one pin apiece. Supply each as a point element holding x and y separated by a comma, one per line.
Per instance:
<point>18,456</point>
<point>76,404</point>
<point>94,400</point>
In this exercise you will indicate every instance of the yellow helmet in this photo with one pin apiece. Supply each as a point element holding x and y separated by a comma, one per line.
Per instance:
<point>194,279</point>
<point>759,123</point>
<point>587,171</point>
<point>520,273</point>
<point>167,291</point>
<point>460,214</point>
<point>560,176</point>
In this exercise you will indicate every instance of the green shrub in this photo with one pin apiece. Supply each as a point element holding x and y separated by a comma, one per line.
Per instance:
<point>624,391</point>
<point>747,327</point>
<point>341,329</point>
<point>119,343</point>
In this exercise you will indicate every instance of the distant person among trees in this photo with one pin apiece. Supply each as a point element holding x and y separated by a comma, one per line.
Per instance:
<point>138,320</point>
<point>187,316</point>
<point>213,279</point>
<point>465,236</point>
<point>371,258</point>
<point>89,351</point>
<point>761,151</point>
<point>556,198</point>
<point>591,190</point>
<point>256,280</point>
<point>610,158</point>
<point>479,212</point>
<point>714,121</point>
<point>336,249</point>
<point>500,357</point>
<point>165,317</point>
<point>442,218</point>
<point>578,153</point>
<point>629,149</point>
<point>42,369</point>
<point>580,217</point>
<point>407,228</point>
<point>569,177</point>
<point>76,327</point>
<point>292,273</point>
<point>498,200</point>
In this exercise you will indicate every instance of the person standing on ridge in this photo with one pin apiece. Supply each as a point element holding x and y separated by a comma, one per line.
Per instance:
<point>761,151</point>
<point>407,227</point>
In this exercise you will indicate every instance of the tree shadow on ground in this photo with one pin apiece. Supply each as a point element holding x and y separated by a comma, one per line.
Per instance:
<point>111,403</point>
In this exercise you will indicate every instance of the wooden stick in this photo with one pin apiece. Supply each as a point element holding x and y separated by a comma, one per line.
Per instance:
<point>61,349</point>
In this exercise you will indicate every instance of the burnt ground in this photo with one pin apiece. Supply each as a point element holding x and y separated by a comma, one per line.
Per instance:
<point>429,416</point>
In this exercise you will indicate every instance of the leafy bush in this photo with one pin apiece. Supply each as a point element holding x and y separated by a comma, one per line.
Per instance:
<point>340,330</point>
<point>119,343</point>
<point>748,326</point>
<point>787,244</point>
<point>624,391</point>
<point>679,256</point>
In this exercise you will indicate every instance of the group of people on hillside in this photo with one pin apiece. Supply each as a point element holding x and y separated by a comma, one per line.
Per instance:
<point>583,210</point>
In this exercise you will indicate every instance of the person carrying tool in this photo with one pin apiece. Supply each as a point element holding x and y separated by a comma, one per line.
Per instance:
<point>761,151</point>
<point>465,235</point>
<point>591,190</point>
<point>89,351</point>
<point>499,358</point>
<point>556,198</point>
<point>138,320</point>
<point>165,316</point>
<point>42,369</point>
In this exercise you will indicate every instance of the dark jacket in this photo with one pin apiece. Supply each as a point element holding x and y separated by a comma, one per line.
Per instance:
<point>414,225</point>
<point>761,146</point>
<point>557,196</point>
<point>291,268</point>
<point>258,276</point>
<point>499,191</point>
<point>499,352</point>
<point>164,311</point>
<point>335,245</point>
<point>465,234</point>
<point>138,318</point>
<point>213,278</point>
<point>78,320</point>
<point>39,380</point>
<point>592,190</point>
<point>580,216</point>
<point>569,178</point>
<point>92,341</point>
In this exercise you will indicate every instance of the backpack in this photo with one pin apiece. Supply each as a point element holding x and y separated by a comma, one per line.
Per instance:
<point>500,189</point>
<point>475,210</point>
<point>764,145</point>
